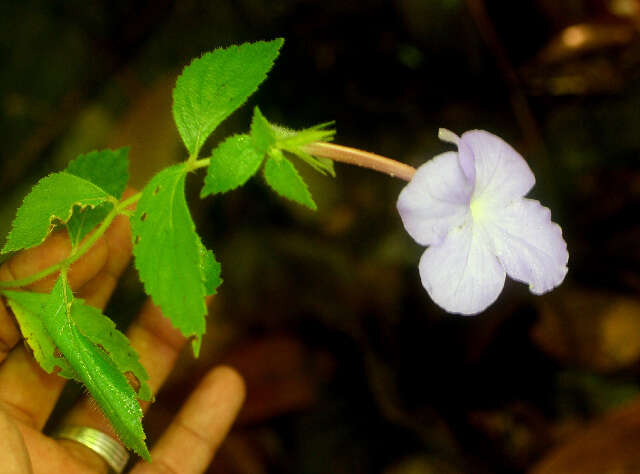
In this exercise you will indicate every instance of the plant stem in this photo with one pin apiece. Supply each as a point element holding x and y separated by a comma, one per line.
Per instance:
<point>77,252</point>
<point>353,156</point>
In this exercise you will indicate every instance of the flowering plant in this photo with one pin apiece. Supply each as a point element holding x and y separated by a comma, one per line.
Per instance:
<point>468,207</point>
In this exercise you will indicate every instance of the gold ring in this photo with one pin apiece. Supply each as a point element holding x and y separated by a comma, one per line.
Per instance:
<point>115,455</point>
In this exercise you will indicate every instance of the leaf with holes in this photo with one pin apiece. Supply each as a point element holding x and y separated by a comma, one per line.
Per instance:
<point>216,84</point>
<point>94,353</point>
<point>108,169</point>
<point>29,309</point>
<point>168,253</point>
<point>51,201</point>
<point>232,163</point>
<point>284,179</point>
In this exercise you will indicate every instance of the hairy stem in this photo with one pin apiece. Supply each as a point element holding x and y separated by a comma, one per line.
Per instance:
<point>353,156</point>
<point>78,251</point>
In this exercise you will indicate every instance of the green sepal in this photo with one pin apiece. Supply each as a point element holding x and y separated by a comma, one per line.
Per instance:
<point>267,136</point>
<point>294,141</point>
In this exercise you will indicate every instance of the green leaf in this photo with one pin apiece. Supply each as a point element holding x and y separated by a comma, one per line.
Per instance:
<point>283,178</point>
<point>262,134</point>
<point>232,163</point>
<point>216,84</point>
<point>108,169</point>
<point>168,253</point>
<point>50,202</point>
<point>84,220</point>
<point>101,331</point>
<point>29,309</point>
<point>211,270</point>
<point>94,352</point>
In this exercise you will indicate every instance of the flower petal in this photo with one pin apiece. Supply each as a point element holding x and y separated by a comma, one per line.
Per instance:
<point>462,275</point>
<point>435,200</point>
<point>501,173</point>
<point>529,245</point>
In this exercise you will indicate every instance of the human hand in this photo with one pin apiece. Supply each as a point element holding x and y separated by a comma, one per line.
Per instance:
<point>28,394</point>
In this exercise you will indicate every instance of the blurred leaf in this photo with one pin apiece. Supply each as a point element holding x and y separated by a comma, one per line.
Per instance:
<point>595,330</point>
<point>609,445</point>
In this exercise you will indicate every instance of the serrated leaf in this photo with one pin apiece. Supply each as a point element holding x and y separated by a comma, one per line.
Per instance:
<point>167,252</point>
<point>68,326</point>
<point>232,163</point>
<point>262,134</point>
<point>216,84</point>
<point>51,201</point>
<point>108,169</point>
<point>28,308</point>
<point>283,178</point>
<point>211,270</point>
<point>84,220</point>
<point>101,331</point>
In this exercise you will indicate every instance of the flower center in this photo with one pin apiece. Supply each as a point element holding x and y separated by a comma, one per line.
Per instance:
<point>478,209</point>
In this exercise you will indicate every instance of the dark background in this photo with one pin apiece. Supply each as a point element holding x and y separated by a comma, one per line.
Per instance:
<point>350,367</point>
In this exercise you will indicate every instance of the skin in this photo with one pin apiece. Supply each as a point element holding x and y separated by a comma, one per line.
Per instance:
<point>28,394</point>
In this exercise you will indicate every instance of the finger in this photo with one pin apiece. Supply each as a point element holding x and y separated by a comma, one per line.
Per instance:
<point>111,252</point>
<point>14,458</point>
<point>26,390</point>
<point>191,441</point>
<point>158,344</point>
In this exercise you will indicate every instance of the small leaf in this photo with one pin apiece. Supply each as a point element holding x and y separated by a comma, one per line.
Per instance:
<point>167,252</point>
<point>262,134</point>
<point>216,84</point>
<point>51,201</point>
<point>210,270</point>
<point>84,220</point>
<point>283,178</point>
<point>68,326</point>
<point>108,169</point>
<point>231,165</point>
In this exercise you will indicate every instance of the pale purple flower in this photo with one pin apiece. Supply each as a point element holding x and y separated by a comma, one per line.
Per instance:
<point>469,208</point>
